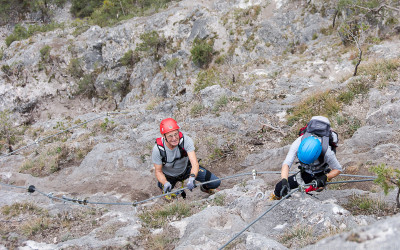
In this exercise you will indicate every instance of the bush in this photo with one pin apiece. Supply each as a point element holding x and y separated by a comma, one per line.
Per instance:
<point>75,68</point>
<point>388,178</point>
<point>152,43</point>
<point>83,9</point>
<point>7,130</point>
<point>202,52</point>
<point>130,58</point>
<point>86,86</point>
<point>172,65</point>
<point>44,56</point>
<point>21,33</point>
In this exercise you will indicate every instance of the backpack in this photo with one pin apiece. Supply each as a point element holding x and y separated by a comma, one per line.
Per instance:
<point>163,153</point>
<point>324,131</point>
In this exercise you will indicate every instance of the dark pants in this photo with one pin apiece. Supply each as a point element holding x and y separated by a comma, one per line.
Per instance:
<point>307,178</point>
<point>202,176</point>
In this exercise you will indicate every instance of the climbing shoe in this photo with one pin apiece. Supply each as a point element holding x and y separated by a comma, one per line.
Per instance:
<point>208,191</point>
<point>273,197</point>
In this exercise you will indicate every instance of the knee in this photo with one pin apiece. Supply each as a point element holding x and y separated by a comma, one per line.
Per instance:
<point>214,184</point>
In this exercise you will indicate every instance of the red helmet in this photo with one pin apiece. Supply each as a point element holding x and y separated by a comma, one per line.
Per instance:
<point>168,125</point>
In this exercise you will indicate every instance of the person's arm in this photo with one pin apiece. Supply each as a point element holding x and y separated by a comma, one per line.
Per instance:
<point>194,162</point>
<point>285,171</point>
<point>291,155</point>
<point>333,164</point>
<point>159,174</point>
<point>333,173</point>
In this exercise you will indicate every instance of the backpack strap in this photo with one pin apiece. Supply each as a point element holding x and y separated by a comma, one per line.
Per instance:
<point>161,148</point>
<point>163,153</point>
<point>181,145</point>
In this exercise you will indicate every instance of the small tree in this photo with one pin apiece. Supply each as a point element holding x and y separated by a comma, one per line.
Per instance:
<point>7,131</point>
<point>152,43</point>
<point>172,65</point>
<point>355,33</point>
<point>202,52</point>
<point>130,58</point>
<point>388,178</point>
<point>357,17</point>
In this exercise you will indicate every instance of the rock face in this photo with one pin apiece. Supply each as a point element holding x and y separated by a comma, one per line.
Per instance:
<point>383,235</point>
<point>268,57</point>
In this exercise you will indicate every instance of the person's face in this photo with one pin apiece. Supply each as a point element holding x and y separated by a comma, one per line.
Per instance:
<point>173,137</point>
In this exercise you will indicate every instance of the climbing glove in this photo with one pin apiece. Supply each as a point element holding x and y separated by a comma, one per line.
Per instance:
<point>167,187</point>
<point>285,187</point>
<point>191,183</point>
<point>321,180</point>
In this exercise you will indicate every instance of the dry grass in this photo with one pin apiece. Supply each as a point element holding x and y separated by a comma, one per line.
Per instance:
<point>159,216</point>
<point>43,227</point>
<point>367,205</point>
<point>297,236</point>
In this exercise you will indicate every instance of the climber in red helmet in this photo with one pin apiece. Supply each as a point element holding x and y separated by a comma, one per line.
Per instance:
<point>175,160</point>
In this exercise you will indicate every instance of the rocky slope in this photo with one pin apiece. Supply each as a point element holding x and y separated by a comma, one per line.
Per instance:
<point>272,55</point>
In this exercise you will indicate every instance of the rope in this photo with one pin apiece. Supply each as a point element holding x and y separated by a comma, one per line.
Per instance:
<point>58,133</point>
<point>32,188</point>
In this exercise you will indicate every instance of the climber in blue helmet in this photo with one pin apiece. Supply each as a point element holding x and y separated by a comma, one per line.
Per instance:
<point>316,152</point>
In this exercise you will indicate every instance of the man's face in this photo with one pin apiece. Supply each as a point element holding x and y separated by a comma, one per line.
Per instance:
<point>173,137</point>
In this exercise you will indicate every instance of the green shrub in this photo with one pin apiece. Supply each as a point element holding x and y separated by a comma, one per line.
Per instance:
<point>75,68</point>
<point>81,26</point>
<point>152,43</point>
<point>44,56</point>
<point>114,87</point>
<point>388,178</point>
<point>202,52</point>
<point>21,33</point>
<point>7,130</point>
<point>1,53</point>
<point>172,65</point>
<point>220,59</point>
<point>314,36</point>
<point>86,86</point>
<point>130,58</point>
<point>220,103</point>
<point>6,69</point>
<point>83,9</point>
<point>45,53</point>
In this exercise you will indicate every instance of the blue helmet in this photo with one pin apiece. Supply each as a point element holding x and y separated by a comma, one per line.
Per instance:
<point>309,150</point>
